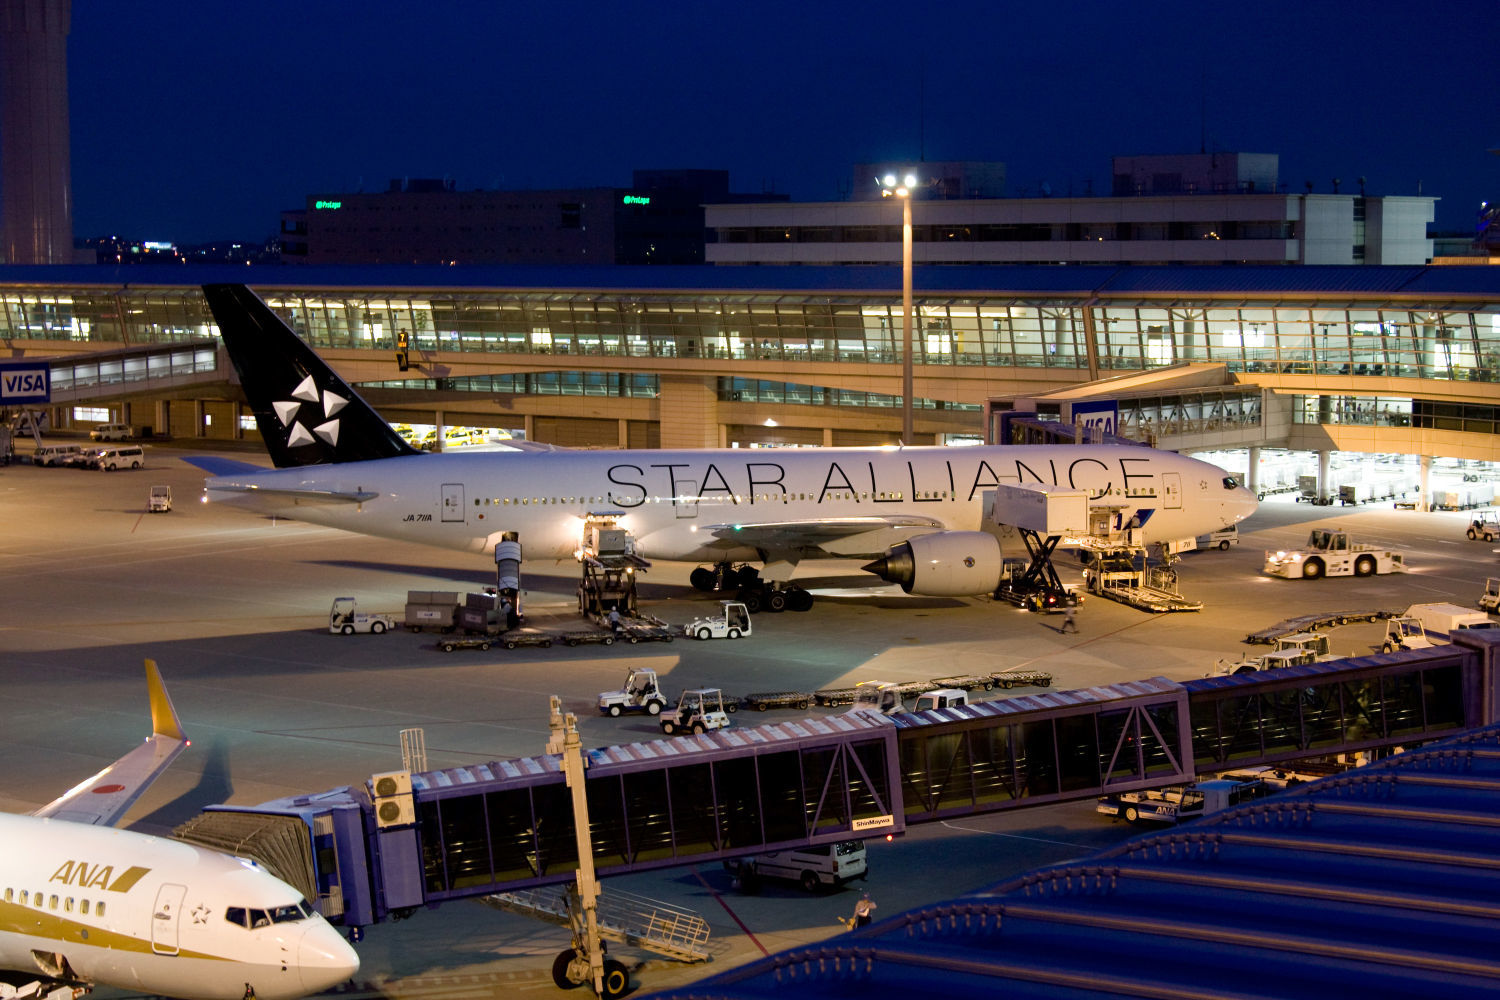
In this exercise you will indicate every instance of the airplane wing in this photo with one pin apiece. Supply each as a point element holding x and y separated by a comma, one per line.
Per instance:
<point>103,799</point>
<point>786,536</point>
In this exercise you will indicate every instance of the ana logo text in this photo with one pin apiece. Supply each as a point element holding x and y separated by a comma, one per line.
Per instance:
<point>91,876</point>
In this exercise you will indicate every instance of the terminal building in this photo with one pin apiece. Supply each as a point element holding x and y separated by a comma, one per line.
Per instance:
<point>1400,361</point>
<point>1209,208</point>
<point>657,220</point>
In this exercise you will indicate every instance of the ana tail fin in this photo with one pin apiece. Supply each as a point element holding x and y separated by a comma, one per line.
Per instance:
<point>307,415</point>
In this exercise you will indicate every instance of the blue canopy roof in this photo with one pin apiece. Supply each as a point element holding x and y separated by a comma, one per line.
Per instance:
<point>1383,882</point>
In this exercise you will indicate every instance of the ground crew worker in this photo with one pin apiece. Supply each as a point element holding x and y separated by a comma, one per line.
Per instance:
<point>1070,619</point>
<point>614,620</point>
<point>862,910</point>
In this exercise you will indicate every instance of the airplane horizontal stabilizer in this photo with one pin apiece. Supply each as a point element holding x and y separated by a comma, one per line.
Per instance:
<point>292,494</point>
<point>216,465</point>
<point>105,797</point>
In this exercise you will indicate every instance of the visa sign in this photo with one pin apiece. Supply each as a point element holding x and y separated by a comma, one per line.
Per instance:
<point>24,382</point>
<point>1099,414</point>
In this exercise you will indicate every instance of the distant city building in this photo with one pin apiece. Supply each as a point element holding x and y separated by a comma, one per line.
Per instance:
<point>657,220</point>
<point>1212,208</point>
<point>35,166</point>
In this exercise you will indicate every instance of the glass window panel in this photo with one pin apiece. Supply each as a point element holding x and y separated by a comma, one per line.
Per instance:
<point>693,809</point>
<point>513,847</point>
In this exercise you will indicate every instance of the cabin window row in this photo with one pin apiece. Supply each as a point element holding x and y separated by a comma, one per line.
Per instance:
<point>41,901</point>
<point>737,498</point>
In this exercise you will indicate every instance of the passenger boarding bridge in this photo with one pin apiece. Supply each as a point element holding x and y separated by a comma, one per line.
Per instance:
<point>463,832</point>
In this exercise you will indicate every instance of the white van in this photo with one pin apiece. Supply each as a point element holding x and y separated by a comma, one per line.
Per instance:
<point>111,432</point>
<point>129,456</point>
<point>1220,539</point>
<point>811,867</point>
<point>54,454</point>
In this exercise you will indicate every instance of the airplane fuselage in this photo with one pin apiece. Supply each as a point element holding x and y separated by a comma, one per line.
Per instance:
<point>677,504</point>
<point>104,906</point>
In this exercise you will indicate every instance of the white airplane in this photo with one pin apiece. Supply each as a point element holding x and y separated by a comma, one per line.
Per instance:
<point>83,904</point>
<point>916,512</point>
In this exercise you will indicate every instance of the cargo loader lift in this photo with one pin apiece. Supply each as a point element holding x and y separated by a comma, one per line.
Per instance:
<point>610,566</point>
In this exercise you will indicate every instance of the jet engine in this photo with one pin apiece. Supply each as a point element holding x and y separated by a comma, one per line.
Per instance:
<point>943,564</point>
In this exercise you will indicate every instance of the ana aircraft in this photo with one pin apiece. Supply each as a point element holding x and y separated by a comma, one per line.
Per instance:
<point>83,904</point>
<point>916,512</point>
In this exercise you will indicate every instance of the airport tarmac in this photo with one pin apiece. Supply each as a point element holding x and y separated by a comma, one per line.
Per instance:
<point>234,609</point>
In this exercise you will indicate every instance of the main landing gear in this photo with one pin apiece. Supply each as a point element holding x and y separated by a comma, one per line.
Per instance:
<point>756,594</point>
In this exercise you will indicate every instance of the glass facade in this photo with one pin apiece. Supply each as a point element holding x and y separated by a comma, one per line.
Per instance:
<point>1001,332</point>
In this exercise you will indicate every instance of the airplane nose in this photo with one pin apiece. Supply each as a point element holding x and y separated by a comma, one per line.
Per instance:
<point>325,958</point>
<point>1243,505</point>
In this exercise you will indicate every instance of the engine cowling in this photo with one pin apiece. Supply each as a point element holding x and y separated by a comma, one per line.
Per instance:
<point>943,564</point>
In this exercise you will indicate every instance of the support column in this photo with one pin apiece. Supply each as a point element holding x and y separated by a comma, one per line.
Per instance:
<point>437,419</point>
<point>1252,471</point>
<point>198,410</point>
<point>1323,457</point>
<point>1424,488</point>
<point>164,417</point>
<point>688,411</point>
<point>828,437</point>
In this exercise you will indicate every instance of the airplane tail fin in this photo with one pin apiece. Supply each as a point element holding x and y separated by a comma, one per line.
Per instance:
<point>307,415</point>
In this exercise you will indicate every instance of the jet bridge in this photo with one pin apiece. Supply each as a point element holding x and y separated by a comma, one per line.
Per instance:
<point>404,840</point>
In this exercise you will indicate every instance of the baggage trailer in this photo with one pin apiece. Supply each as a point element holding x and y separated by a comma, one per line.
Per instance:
<point>965,682</point>
<point>1314,622</point>
<point>763,700</point>
<point>517,638</point>
<point>1021,678</point>
<point>588,638</point>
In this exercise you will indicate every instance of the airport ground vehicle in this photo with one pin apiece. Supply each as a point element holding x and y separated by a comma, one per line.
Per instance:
<point>1333,553</point>
<point>697,711</point>
<point>1180,803</point>
<point>1425,625</point>
<point>1490,599</point>
<point>878,696</point>
<point>640,693</point>
<point>1485,525</point>
<point>49,455</point>
<point>111,432</point>
<point>813,868</point>
<point>1221,539</point>
<point>940,698</point>
<point>344,619</point>
<point>130,456</point>
<point>733,623</point>
<point>160,499</point>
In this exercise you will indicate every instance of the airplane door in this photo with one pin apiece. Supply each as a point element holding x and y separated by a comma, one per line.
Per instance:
<point>164,918</point>
<point>1171,490</point>
<point>453,502</point>
<point>685,503</point>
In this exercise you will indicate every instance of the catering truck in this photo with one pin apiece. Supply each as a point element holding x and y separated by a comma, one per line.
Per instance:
<point>1334,553</point>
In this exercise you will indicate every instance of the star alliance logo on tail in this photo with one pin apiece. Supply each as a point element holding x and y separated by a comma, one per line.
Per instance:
<point>302,427</point>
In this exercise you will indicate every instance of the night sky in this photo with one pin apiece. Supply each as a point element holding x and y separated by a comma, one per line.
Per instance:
<point>195,120</point>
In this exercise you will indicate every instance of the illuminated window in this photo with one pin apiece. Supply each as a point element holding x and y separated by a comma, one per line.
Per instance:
<point>83,907</point>
<point>99,910</point>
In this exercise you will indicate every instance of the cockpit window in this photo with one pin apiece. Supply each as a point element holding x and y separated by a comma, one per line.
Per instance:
<point>246,917</point>
<point>287,914</point>
<point>1231,483</point>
